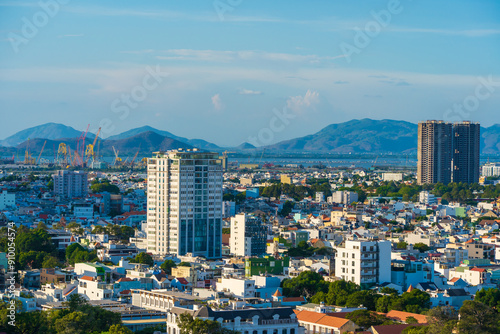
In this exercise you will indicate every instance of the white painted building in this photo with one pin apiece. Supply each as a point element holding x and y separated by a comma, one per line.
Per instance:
<point>94,289</point>
<point>239,287</point>
<point>7,200</point>
<point>426,197</point>
<point>83,210</point>
<point>364,262</point>
<point>392,176</point>
<point>491,169</point>
<point>184,208</point>
<point>343,197</point>
<point>278,320</point>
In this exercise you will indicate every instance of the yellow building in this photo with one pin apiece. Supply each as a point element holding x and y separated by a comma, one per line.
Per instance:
<point>286,179</point>
<point>189,273</point>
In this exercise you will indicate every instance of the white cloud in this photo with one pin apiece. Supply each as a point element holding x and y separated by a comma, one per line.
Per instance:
<point>465,33</point>
<point>249,92</point>
<point>245,55</point>
<point>70,35</point>
<point>217,102</point>
<point>301,103</point>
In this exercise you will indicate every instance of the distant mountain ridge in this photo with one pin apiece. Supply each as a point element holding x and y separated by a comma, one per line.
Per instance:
<point>200,143</point>
<point>44,131</point>
<point>355,136</point>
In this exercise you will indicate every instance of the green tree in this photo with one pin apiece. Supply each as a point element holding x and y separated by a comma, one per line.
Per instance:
<point>188,325</point>
<point>144,258</point>
<point>167,266</point>
<point>421,247</point>
<point>307,284</point>
<point>119,329</point>
<point>104,186</point>
<point>442,320</point>
<point>490,297</point>
<point>50,262</point>
<point>476,317</point>
<point>365,298</point>
<point>366,319</point>
<point>402,245</point>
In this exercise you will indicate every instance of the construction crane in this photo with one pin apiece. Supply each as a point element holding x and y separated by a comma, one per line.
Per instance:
<point>62,151</point>
<point>28,160</point>
<point>80,148</point>
<point>70,159</point>
<point>135,157</point>
<point>38,160</point>
<point>118,160</point>
<point>89,152</point>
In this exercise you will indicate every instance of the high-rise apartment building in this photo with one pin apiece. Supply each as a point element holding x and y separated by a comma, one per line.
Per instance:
<point>448,152</point>
<point>185,203</point>
<point>466,136</point>
<point>70,184</point>
<point>248,235</point>
<point>434,152</point>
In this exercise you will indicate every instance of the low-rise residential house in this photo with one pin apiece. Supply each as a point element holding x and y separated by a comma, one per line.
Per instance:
<point>314,322</point>
<point>473,276</point>
<point>94,288</point>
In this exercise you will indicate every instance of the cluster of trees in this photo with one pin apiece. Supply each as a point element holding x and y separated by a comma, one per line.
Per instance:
<point>311,285</point>
<point>121,232</point>
<point>278,189</point>
<point>143,258</point>
<point>366,319</point>
<point>103,186</point>
<point>34,248</point>
<point>188,325</point>
<point>167,266</point>
<point>303,249</point>
<point>287,208</point>
<point>473,317</point>
<point>238,198</point>
<point>75,253</point>
<point>461,192</point>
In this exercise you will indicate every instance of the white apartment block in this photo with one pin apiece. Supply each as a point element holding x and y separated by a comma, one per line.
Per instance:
<point>426,197</point>
<point>343,197</point>
<point>491,169</point>
<point>364,262</point>
<point>7,200</point>
<point>95,289</point>
<point>239,287</point>
<point>70,183</point>
<point>185,203</point>
<point>392,176</point>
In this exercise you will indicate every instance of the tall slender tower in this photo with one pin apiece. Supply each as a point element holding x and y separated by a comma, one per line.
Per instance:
<point>466,137</point>
<point>185,203</point>
<point>434,152</point>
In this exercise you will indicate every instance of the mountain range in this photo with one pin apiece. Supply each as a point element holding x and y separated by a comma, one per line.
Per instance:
<point>355,136</point>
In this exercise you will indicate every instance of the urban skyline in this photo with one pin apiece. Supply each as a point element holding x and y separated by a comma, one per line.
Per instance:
<point>250,167</point>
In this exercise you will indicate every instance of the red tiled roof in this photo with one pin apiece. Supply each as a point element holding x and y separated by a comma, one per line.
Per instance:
<point>87,278</point>
<point>402,316</point>
<point>321,319</point>
<point>125,279</point>
<point>182,280</point>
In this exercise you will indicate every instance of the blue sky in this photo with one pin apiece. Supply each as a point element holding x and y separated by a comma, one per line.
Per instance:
<point>233,65</point>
